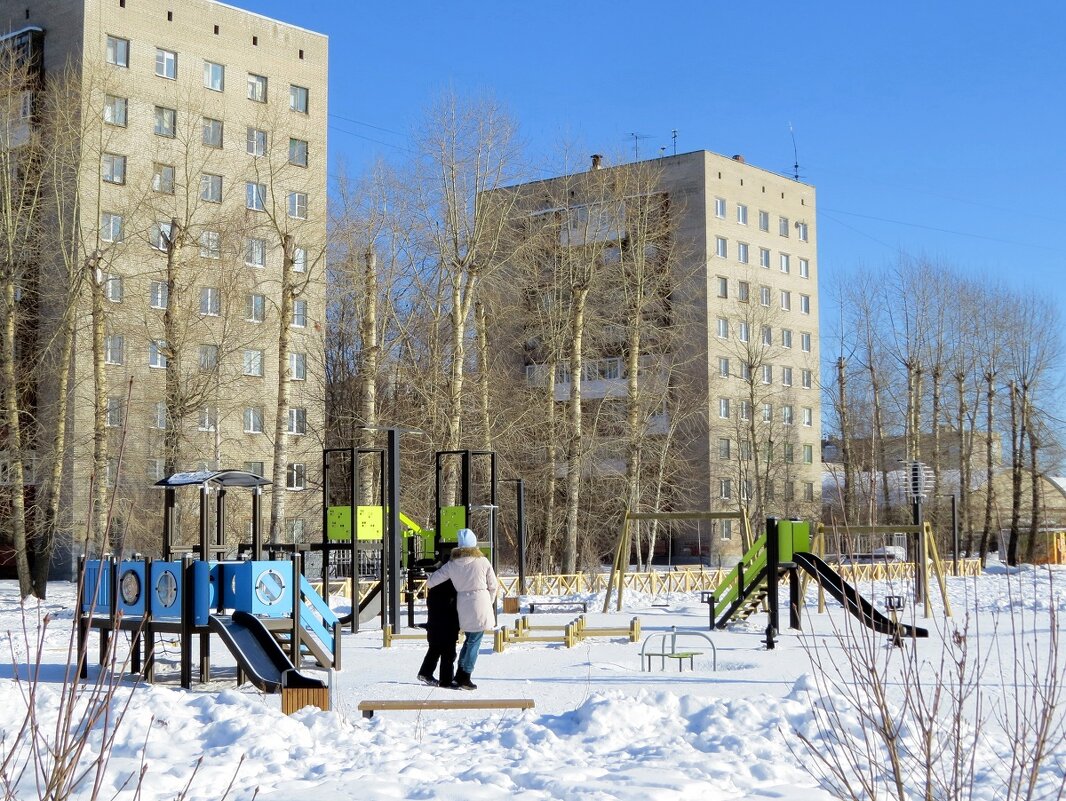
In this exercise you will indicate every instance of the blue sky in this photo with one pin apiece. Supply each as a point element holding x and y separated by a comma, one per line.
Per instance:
<point>932,128</point>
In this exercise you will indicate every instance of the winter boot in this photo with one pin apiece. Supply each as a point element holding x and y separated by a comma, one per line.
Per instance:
<point>462,681</point>
<point>429,681</point>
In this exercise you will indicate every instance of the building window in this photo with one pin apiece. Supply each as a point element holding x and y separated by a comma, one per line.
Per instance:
<point>155,469</point>
<point>805,342</point>
<point>257,88</point>
<point>166,122</point>
<point>808,416</point>
<point>764,221</point>
<point>808,490</point>
<point>768,374</point>
<point>742,214</point>
<point>727,529</point>
<point>208,358</point>
<point>723,448</point>
<point>719,208</point>
<point>298,152</point>
<point>725,488</point>
<point>253,363</point>
<point>298,99</point>
<point>299,260</point>
<point>767,335</point>
<point>723,287</point>
<point>113,413</point>
<point>744,332</point>
<point>298,205</point>
<point>808,454</point>
<point>790,453</point>
<point>297,421</point>
<point>806,378</point>
<point>782,226</point>
<point>723,408</point>
<point>214,76</point>
<point>255,308</point>
<point>210,301</point>
<point>743,291</point>
<point>111,227</point>
<point>257,142</point>
<point>157,353</point>
<point>801,228</point>
<point>118,51</point>
<point>745,371</point>
<point>211,244</point>
<point>786,376</point>
<point>211,188</point>
<point>786,414</point>
<point>295,476</point>
<point>723,328</point>
<point>253,421</point>
<point>786,337</point>
<point>742,252</point>
<point>723,366</point>
<point>157,294</point>
<point>298,366</point>
<point>163,178</point>
<point>299,315</point>
<point>805,268</point>
<point>159,415</point>
<point>764,258</point>
<point>786,265</point>
<point>805,304</point>
<point>786,300</point>
<point>255,468</point>
<point>255,196</point>
<point>212,132</point>
<point>208,418</point>
<point>159,235</point>
<point>745,450</point>
<point>745,410</point>
<point>113,288</point>
<point>114,349</point>
<point>746,489</point>
<point>114,168</point>
<point>721,247</point>
<point>764,296</point>
<point>767,412</point>
<point>166,63</point>
<point>255,252</point>
<point>790,490</point>
<point>115,110</point>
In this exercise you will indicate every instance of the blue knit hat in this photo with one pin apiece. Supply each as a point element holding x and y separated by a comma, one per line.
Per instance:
<point>466,538</point>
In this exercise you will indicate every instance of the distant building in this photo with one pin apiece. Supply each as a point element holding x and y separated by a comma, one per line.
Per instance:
<point>209,122</point>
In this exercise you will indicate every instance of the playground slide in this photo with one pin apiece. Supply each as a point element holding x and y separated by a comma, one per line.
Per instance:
<point>369,607</point>
<point>861,608</point>
<point>258,653</point>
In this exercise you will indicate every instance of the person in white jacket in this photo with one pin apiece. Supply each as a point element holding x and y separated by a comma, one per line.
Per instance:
<point>475,585</point>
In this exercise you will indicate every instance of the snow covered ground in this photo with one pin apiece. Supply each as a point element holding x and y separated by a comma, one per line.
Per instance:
<point>602,728</point>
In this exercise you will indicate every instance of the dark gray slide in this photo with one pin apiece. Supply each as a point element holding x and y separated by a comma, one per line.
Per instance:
<point>258,654</point>
<point>847,595</point>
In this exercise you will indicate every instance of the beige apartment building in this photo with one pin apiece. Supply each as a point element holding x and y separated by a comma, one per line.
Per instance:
<point>201,191</point>
<point>744,304</point>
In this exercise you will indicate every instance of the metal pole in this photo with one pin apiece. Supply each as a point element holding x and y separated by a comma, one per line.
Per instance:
<point>773,550</point>
<point>520,503</point>
<point>257,523</point>
<point>955,533</point>
<point>393,439</point>
<point>205,492</point>
<point>220,517</point>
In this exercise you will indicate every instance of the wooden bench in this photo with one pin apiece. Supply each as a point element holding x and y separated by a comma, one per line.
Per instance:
<point>368,708</point>
<point>557,605</point>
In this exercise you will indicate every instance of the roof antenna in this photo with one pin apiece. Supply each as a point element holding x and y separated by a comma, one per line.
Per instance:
<point>675,141</point>
<point>636,144</point>
<point>795,155</point>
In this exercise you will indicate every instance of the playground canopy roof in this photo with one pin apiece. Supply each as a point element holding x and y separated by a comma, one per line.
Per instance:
<point>220,478</point>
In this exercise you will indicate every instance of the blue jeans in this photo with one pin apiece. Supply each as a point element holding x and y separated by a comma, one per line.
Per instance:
<point>468,656</point>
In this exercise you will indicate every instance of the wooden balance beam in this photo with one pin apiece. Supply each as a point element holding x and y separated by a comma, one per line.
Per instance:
<point>503,635</point>
<point>582,630</point>
<point>368,708</point>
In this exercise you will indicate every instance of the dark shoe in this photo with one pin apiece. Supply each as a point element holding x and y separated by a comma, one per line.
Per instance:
<point>429,681</point>
<point>462,681</point>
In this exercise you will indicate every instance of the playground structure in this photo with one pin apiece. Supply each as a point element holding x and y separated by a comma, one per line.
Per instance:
<point>568,634</point>
<point>265,612</point>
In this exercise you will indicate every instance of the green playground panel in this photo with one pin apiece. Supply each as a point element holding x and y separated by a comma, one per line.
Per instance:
<point>452,518</point>
<point>339,522</point>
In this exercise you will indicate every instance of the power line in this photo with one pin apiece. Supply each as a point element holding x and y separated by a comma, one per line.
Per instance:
<point>370,139</point>
<point>940,230</point>
<point>364,124</point>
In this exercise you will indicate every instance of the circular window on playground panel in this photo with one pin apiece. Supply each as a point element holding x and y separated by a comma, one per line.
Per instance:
<point>166,589</point>
<point>270,587</point>
<point>130,587</point>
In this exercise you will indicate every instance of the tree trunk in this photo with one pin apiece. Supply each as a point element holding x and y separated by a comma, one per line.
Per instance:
<point>174,406</point>
<point>576,439</point>
<point>551,457</point>
<point>481,329</point>
<point>13,442</point>
<point>964,469</point>
<point>1017,440</point>
<point>369,357</point>
<point>1034,518</point>
<point>937,483</point>
<point>279,472</point>
<point>990,400</point>
<point>845,444</point>
<point>98,501</point>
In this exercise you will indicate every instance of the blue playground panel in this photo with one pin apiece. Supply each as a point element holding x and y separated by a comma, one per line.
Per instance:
<point>166,587</point>
<point>261,588</point>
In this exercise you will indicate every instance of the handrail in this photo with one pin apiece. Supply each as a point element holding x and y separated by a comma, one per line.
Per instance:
<point>734,584</point>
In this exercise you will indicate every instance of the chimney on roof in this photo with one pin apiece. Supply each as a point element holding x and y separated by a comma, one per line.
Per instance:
<point>739,158</point>
<point>597,160</point>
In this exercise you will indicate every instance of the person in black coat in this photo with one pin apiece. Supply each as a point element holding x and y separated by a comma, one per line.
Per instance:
<point>442,632</point>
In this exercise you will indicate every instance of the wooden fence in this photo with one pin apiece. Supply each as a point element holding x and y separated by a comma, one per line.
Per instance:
<point>659,582</point>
